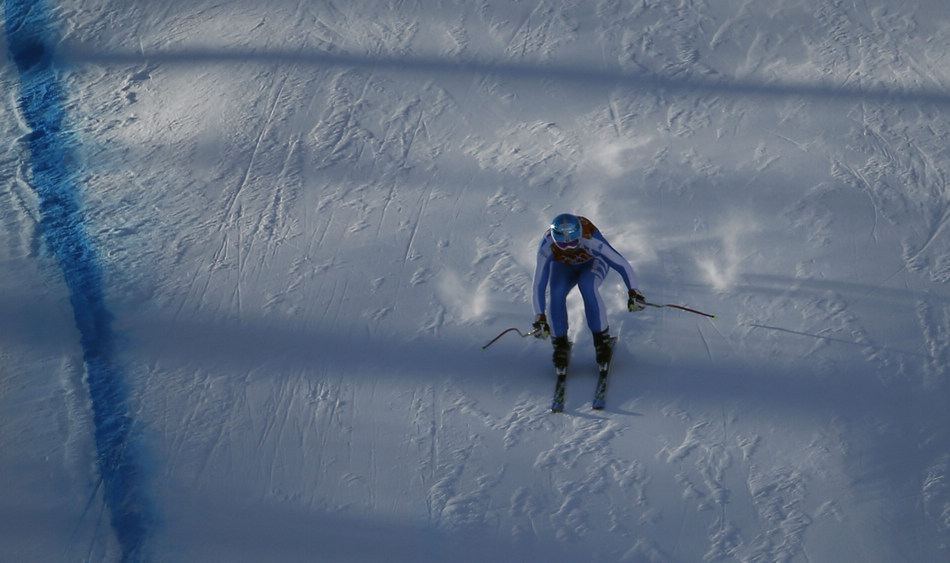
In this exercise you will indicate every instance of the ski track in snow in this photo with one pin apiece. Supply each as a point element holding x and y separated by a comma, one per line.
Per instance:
<point>311,214</point>
<point>59,196</point>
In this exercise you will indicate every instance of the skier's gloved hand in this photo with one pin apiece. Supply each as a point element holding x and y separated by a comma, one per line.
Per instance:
<point>636,301</point>
<point>541,328</point>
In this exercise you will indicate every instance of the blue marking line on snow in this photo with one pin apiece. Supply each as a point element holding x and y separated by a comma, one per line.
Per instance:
<point>31,39</point>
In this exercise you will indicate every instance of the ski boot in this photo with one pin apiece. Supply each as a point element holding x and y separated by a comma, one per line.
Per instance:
<point>562,352</point>
<point>603,347</point>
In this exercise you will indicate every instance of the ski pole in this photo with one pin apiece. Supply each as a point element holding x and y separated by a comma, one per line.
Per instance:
<point>681,308</point>
<point>506,331</point>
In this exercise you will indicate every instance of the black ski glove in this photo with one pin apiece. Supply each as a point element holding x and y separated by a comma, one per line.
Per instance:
<point>636,301</point>
<point>541,328</point>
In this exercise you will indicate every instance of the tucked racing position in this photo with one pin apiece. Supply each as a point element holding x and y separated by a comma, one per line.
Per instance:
<point>573,252</point>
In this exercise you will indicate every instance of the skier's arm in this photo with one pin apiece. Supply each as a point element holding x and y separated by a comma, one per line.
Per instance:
<point>615,260</point>
<point>541,272</point>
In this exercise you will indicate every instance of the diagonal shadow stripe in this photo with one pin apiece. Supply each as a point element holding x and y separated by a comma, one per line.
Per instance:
<point>821,88</point>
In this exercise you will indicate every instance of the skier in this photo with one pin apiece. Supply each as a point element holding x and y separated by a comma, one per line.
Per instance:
<point>573,252</point>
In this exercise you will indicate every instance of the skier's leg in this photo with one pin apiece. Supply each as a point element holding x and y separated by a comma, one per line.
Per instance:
<point>563,279</point>
<point>589,285</point>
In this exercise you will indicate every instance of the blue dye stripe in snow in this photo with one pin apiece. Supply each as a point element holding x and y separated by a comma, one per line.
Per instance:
<point>30,37</point>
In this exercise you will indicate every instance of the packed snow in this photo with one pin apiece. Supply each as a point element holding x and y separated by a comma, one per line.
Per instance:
<point>258,337</point>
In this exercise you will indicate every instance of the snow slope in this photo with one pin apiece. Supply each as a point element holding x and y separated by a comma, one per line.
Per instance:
<point>301,221</point>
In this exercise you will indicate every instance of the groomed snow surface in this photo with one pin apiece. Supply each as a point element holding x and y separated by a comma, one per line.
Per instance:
<point>250,251</point>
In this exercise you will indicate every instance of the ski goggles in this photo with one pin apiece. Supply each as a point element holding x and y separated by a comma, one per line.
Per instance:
<point>567,244</point>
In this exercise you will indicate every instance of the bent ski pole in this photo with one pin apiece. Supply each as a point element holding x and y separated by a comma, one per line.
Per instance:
<point>506,331</point>
<point>681,308</point>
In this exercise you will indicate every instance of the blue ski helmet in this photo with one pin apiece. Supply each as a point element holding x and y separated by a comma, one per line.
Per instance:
<point>566,228</point>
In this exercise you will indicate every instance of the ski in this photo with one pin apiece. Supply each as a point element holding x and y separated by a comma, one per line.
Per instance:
<point>600,393</point>
<point>562,354</point>
<point>560,389</point>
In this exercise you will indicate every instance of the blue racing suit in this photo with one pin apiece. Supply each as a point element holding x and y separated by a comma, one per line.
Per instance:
<point>585,266</point>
